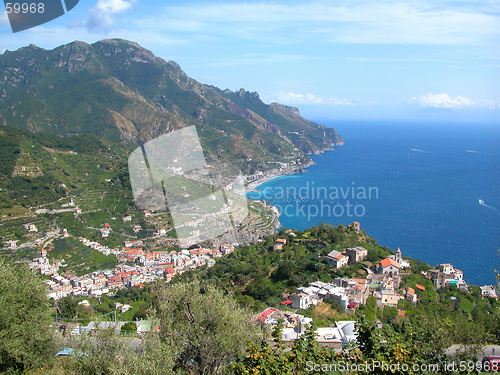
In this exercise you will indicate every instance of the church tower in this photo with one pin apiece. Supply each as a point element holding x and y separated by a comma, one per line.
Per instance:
<point>399,256</point>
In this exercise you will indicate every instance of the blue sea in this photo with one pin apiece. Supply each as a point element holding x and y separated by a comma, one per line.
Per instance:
<point>413,186</point>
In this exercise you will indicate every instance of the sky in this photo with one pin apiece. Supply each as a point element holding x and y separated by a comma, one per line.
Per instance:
<point>340,60</point>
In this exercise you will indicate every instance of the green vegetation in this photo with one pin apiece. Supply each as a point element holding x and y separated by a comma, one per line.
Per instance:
<point>26,336</point>
<point>9,152</point>
<point>201,330</point>
<point>260,276</point>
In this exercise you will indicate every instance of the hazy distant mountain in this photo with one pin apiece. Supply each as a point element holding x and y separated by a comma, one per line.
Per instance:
<point>124,93</point>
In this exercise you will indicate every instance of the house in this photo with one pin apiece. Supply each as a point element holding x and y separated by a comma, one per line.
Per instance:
<point>389,266</point>
<point>445,268</point>
<point>336,259</point>
<point>137,228</point>
<point>227,249</point>
<point>169,273</point>
<point>78,211</point>
<point>411,295</point>
<point>280,242</point>
<point>445,274</point>
<point>265,316</point>
<point>489,291</point>
<point>356,254</point>
<point>127,218</point>
<point>361,291</point>
<point>136,243</point>
<point>301,301</point>
<point>336,337</point>
<point>105,231</point>
<point>32,228</point>
<point>114,282</point>
<point>12,244</point>
<point>147,214</point>
<point>388,298</point>
<point>340,295</point>
<point>143,326</point>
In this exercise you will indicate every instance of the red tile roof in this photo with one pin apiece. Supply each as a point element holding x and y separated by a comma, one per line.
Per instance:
<point>389,262</point>
<point>420,287</point>
<point>286,302</point>
<point>267,312</point>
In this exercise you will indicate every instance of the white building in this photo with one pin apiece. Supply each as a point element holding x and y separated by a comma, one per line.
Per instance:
<point>336,259</point>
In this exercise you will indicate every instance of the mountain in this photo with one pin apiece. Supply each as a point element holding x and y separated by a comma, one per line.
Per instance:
<point>123,93</point>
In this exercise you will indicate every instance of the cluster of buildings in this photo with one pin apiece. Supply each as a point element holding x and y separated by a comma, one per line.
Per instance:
<point>133,251</point>
<point>44,266</point>
<point>445,274</point>
<point>294,325</point>
<point>105,282</point>
<point>349,256</point>
<point>148,267</point>
<point>347,292</point>
<point>382,283</point>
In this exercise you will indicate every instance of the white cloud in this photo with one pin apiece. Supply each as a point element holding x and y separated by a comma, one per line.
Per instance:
<point>391,22</point>
<point>102,15</point>
<point>445,101</point>
<point>4,19</point>
<point>296,99</point>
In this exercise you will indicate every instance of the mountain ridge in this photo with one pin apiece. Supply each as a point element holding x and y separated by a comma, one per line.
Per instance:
<point>122,92</point>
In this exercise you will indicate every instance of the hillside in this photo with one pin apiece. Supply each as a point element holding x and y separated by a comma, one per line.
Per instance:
<point>123,93</point>
<point>44,178</point>
<point>259,275</point>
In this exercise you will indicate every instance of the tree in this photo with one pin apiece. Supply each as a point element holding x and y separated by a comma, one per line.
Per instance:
<point>67,308</point>
<point>207,328</point>
<point>99,354</point>
<point>26,337</point>
<point>305,356</point>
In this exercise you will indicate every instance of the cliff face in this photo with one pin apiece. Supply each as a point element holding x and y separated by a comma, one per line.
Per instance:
<point>124,93</point>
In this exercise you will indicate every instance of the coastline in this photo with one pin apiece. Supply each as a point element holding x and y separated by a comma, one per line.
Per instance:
<point>274,174</point>
<point>289,170</point>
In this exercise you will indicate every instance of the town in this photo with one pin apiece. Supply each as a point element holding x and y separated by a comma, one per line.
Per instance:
<point>138,267</point>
